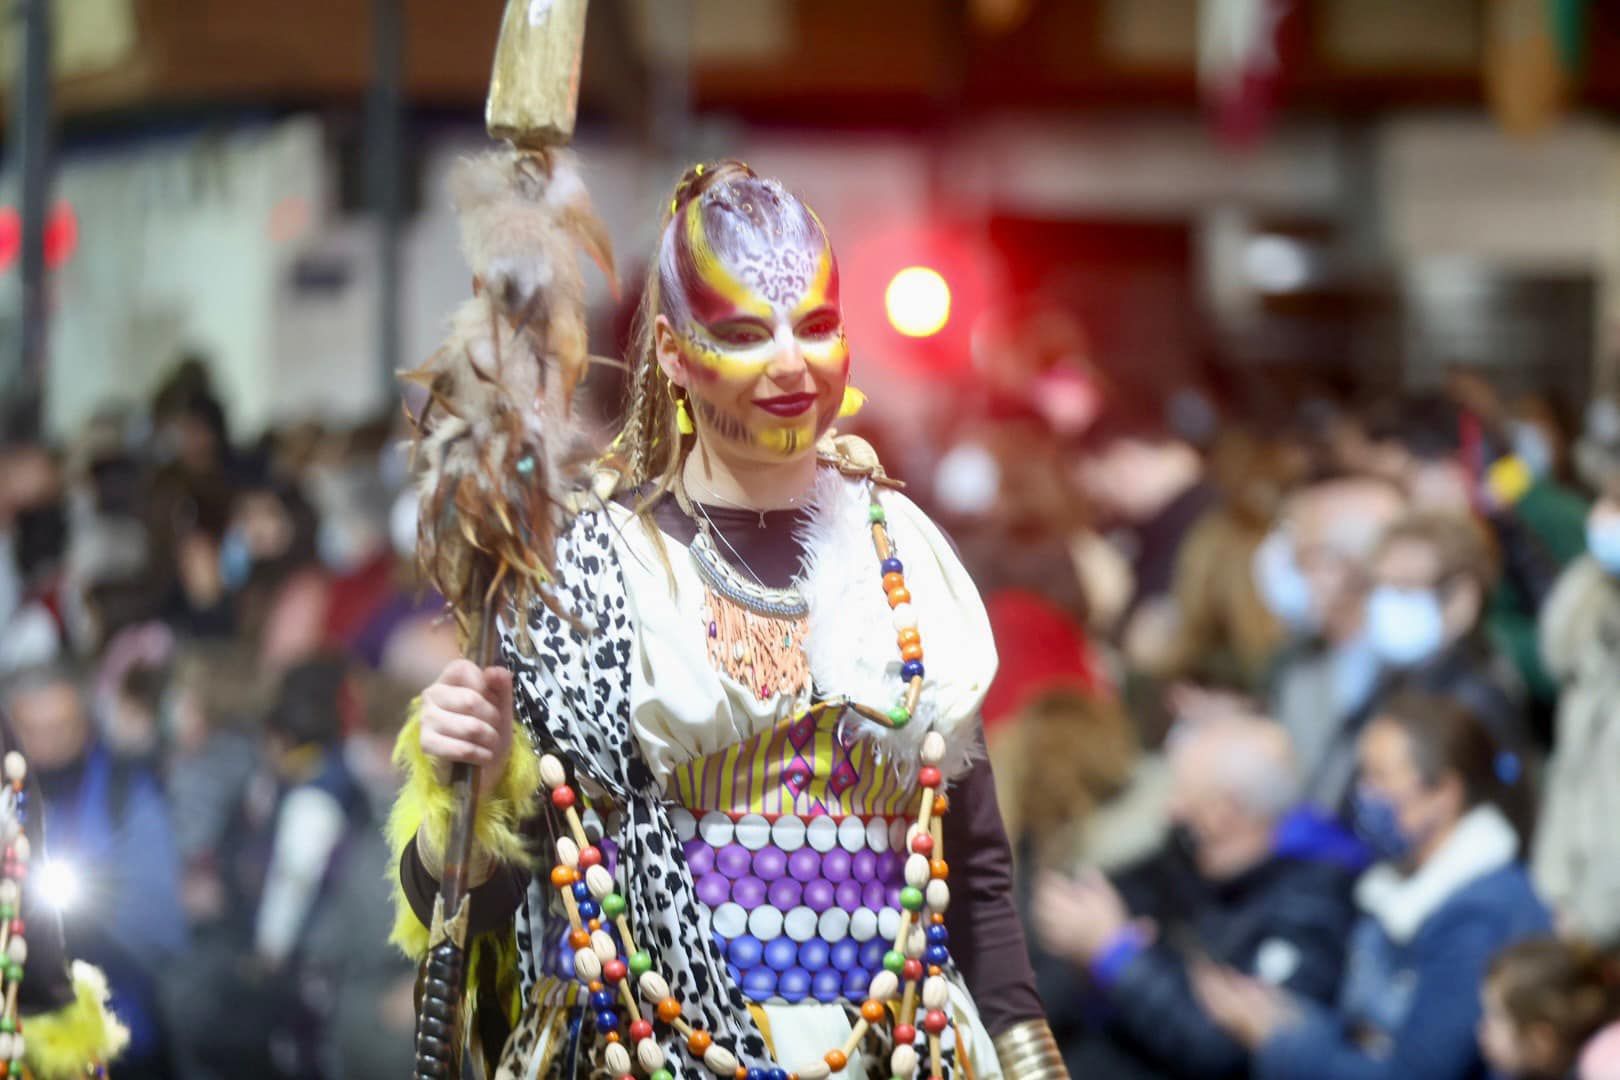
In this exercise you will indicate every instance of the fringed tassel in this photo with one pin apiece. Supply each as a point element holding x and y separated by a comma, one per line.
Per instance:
<point>764,653</point>
<point>75,1039</point>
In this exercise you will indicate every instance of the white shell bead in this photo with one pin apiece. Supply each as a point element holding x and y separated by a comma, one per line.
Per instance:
<point>938,896</point>
<point>818,1071</point>
<point>916,943</point>
<point>599,881</point>
<point>918,871</point>
<point>19,1046</point>
<point>8,892</point>
<point>552,773</point>
<point>653,987</point>
<point>618,1059</point>
<point>934,992</point>
<point>885,984</point>
<point>16,767</point>
<point>903,1062</point>
<point>905,618</point>
<point>603,946</point>
<point>650,1054</point>
<point>17,950</point>
<point>933,748</point>
<point>587,966</point>
<point>6,1053</point>
<point>721,1062</point>
<point>568,853</point>
<point>21,848</point>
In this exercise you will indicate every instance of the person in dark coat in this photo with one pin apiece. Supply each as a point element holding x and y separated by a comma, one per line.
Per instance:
<point>1266,890</point>
<point>1449,891</point>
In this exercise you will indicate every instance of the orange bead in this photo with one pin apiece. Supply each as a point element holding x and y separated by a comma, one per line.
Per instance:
<point>836,1060</point>
<point>941,804</point>
<point>934,969</point>
<point>698,1043</point>
<point>872,1011</point>
<point>741,1073</point>
<point>562,876</point>
<point>669,1010</point>
<point>911,652</point>
<point>899,596</point>
<point>910,637</point>
<point>893,581</point>
<point>578,940</point>
<point>939,869</point>
<point>939,920</point>
<point>594,986</point>
<point>596,924</point>
<point>613,1036</point>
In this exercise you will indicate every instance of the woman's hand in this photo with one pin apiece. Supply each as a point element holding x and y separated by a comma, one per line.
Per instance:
<point>1249,1010</point>
<point>1079,918</point>
<point>467,719</point>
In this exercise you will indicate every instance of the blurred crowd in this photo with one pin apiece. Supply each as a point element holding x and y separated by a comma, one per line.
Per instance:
<point>1312,776</point>
<point>206,650</point>
<point>1307,731</point>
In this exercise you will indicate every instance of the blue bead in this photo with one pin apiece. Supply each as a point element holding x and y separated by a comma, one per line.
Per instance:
<point>781,953</point>
<point>602,999</point>
<point>872,954</point>
<point>937,955</point>
<point>565,965</point>
<point>856,983</point>
<point>735,972</point>
<point>938,935</point>
<point>846,954</point>
<point>776,1074</point>
<point>893,566</point>
<point>827,986</point>
<point>814,954</point>
<point>588,909</point>
<point>746,951</point>
<point>582,891</point>
<point>757,1074</point>
<point>607,1020</point>
<point>911,669</point>
<point>759,983</point>
<point>793,985</point>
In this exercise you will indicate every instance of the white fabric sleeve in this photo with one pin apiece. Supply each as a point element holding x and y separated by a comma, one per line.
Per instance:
<point>308,829</point>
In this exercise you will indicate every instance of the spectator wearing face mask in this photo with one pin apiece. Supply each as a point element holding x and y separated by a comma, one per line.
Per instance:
<point>1448,892</point>
<point>1266,892</point>
<point>1577,852</point>
<point>1432,578</point>
<point>1314,571</point>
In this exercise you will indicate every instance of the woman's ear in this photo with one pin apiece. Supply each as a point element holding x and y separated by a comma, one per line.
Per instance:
<point>1463,606</point>
<point>1542,1049</point>
<point>668,351</point>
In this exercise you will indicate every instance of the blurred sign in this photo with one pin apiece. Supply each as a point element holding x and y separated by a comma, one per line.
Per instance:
<point>90,37</point>
<point>723,31</point>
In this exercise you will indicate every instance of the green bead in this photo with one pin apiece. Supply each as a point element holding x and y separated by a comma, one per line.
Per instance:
<point>894,962</point>
<point>8,1025</point>
<point>640,963</point>
<point>613,905</point>
<point>911,898</point>
<point>875,512</point>
<point>662,1074</point>
<point>14,972</point>
<point>899,716</point>
<point>6,911</point>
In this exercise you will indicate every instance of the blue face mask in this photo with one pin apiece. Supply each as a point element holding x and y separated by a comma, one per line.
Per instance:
<point>1531,447</point>
<point>1282,588</point>
<point>1603,541</point>
<point>1376,823</point>
<point>1405,627</point>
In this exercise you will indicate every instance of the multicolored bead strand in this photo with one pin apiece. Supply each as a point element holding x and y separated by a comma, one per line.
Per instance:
<point>13,946</point>
<point>913,968</point>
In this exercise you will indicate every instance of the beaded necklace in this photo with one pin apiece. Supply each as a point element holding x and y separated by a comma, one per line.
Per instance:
<point>13,946</point>
<point>913,968</point>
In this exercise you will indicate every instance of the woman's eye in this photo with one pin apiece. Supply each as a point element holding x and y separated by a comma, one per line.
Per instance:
<point>739,333</point>
<point>825,326</point>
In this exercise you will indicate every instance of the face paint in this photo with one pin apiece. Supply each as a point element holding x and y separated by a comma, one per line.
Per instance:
<point>751,290</point>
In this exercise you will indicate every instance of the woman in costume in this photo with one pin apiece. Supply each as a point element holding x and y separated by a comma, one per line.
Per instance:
<point>735,820</point>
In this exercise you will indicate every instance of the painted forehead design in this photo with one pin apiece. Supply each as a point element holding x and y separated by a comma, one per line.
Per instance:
<point>748,247</point>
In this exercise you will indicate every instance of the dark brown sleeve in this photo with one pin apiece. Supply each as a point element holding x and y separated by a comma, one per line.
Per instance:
<point>490,906</point>
<point>986,938</point>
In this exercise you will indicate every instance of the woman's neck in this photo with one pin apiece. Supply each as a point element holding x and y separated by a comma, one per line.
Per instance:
<point>1430,846</point>
<point>710,478</point>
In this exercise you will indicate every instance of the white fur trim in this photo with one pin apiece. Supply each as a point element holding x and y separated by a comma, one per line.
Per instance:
<point>852,648</point>
<point>1482,843</point>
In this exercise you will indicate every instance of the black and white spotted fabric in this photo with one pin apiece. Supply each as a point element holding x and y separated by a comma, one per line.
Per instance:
<point>573,694</point>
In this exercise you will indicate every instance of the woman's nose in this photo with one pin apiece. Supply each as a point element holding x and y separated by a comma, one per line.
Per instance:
<point>787,367</point>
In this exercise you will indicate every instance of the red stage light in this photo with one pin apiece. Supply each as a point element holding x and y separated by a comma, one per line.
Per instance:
<point>918,301</point>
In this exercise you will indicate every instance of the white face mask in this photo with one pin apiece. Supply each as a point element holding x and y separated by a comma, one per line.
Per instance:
<point>1282,587</point>
<point>1405,626</point>
<point>1530,446</point>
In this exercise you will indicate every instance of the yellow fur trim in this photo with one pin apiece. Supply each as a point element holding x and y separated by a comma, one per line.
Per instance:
<point>424,803</point>
<point>61,1044</point>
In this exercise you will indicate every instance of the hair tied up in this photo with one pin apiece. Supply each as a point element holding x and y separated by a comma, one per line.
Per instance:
<point>702,176</point>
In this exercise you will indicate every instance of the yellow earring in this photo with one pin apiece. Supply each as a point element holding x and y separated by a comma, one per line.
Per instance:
<point>683,419</point>
<point>853,400</point>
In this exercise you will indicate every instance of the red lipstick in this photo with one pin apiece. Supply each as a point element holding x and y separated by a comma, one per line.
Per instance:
<point>787,404</point>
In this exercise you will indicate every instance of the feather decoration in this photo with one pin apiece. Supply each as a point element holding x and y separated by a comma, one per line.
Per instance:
<point>497,447</point>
